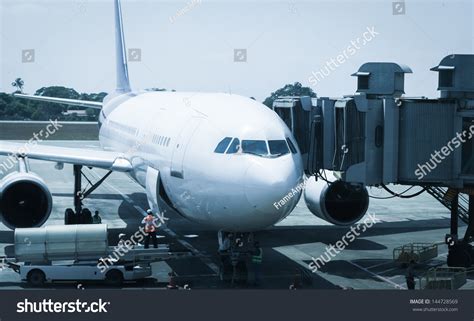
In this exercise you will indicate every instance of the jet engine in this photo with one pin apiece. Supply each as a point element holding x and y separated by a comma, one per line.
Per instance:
<point>25,199</point>
<point>336,202</point>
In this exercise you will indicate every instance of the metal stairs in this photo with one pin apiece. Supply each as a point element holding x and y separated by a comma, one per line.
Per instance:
<point>445,195</point>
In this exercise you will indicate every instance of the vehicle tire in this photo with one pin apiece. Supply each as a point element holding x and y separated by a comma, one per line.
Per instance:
<point>69,217</point>
<point>36,278</point>
<point>114,278</point>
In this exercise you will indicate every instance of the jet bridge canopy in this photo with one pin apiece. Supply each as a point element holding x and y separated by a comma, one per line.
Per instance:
<point>295,112</point>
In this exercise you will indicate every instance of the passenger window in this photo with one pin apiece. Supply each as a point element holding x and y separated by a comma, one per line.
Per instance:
<point>222,146</point>
<point>256,147</point>
<point>234,146</point>
<point>292,147</point>
<point>278,147</point>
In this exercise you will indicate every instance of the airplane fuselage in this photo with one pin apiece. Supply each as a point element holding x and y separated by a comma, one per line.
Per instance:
<point>172,137</point>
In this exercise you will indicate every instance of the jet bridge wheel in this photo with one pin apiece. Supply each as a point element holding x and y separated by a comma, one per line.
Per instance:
<point>114,278</point>
<point>36,278</point>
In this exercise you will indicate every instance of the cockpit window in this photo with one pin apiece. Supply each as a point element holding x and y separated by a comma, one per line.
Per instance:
<point>256,147</point>
<point>292,147</point>
<point>234,147</point>
<point>278,147</point>
<point>222,146</point>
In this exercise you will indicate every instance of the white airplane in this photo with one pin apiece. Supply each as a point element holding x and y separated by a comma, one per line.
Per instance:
<point>217,159</point>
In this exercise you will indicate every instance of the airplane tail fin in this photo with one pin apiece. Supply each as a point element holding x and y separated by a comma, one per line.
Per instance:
<point>123,83</point>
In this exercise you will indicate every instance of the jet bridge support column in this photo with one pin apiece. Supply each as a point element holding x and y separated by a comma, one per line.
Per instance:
<point>454,217</point>
<point>470,226</point>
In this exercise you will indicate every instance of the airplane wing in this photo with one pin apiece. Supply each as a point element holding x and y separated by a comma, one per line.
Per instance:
<point>72,102</point>
<point>77,156</point>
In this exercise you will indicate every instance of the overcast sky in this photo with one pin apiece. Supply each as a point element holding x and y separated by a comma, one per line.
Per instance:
<point>194,51</point>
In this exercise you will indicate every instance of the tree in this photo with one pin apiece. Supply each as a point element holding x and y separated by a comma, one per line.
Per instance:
<point>92,114</point>
<point>47,110</point>
<point>18,84</point>
<point>13,108</point>
<point>58,91</point>
<point>295,89</point>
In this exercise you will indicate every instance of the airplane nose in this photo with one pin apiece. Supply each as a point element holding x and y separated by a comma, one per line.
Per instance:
<point>270,182</point>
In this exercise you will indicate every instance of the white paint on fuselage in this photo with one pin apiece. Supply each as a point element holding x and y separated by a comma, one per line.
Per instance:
<point>232,192</point>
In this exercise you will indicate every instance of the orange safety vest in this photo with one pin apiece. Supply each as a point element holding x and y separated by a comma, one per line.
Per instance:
<point>149,224</point>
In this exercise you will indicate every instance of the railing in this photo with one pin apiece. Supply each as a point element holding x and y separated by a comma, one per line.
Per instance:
<point>450,278</point>
<point>445,195</point>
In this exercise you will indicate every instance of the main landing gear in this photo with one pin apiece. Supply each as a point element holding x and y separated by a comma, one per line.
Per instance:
<point>81,215</point>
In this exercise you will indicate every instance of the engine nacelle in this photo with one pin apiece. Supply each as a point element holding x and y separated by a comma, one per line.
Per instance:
<point>338,203</point>
<point>25,200</point>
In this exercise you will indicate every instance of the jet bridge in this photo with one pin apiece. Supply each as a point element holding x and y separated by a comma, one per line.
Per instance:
<point>295,112</point>
<point>377,137</point>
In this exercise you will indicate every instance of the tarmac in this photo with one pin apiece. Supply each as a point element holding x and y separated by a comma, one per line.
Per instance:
<point>288,248</point>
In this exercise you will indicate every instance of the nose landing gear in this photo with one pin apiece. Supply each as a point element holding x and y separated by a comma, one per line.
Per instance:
<point>235,251</point>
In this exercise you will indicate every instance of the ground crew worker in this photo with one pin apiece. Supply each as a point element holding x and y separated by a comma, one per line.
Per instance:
<point>410,276</point>
<point>224,254</point>
<point>150,229</point>
<point>224,245</point>
<point>96,219</point>
<point>257,256</point>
